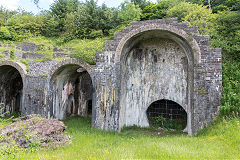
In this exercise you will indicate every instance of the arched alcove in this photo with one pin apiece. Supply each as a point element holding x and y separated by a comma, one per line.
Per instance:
<point>71,92</point>
<point>11,86</point>
<point>155,64</point>
<point>167,114</point>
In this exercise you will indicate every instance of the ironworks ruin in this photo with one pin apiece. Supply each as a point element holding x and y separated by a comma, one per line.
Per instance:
<point>153,68</point>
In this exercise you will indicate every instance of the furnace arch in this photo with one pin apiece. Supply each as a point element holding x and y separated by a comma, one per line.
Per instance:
<point>142,55</point>
<point>71,89</point>
<point>12,76</point>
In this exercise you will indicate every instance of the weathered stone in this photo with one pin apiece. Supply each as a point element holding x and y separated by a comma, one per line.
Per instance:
<point>32,55</point>
<point>7,54</point>
<point>27,46</point>
<point>147,62</point>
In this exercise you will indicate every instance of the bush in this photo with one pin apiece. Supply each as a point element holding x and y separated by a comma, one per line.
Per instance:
<point>231,88</point>
<point>5,34</point>
<point>86,49</point>
<point>156,11</point>
<point>194,14</point>
<point>160,121</point>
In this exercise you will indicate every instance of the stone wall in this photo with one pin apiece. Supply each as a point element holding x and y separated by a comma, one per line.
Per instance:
<point>194,65</point>
<point>147,62</point>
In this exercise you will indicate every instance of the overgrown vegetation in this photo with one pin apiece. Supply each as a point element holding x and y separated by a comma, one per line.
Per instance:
<point>167,124</point>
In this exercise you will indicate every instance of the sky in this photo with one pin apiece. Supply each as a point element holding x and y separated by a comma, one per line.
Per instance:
<point>29,6</point>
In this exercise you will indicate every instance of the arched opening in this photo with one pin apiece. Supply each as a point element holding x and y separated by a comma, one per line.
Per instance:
<point>71,92</point>
<point>155,64</point>
<point>11,86</point>
<point>167,114</point>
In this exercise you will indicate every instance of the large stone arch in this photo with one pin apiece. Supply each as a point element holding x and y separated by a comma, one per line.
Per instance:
<point>12,82</point>
<point>160,32</point>
<point>70,89</point>
<point>183,38</point>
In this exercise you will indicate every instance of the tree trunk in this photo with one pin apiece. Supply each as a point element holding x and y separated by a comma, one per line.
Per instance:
<point>209,4</point>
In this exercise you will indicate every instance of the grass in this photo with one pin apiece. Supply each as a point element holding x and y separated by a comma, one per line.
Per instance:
<point>220,141</point>
<point>83,49</point>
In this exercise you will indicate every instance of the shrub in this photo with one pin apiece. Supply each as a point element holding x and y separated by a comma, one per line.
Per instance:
<point>86,49</point>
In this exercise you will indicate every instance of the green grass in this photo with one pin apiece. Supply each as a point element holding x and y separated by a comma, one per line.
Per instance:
<point>83,49</point>
<point>221,140</point>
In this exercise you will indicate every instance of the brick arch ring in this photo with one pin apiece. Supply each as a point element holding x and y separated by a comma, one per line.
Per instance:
<point>21,68</point>
<point>73,62</point>
<point>185,36</point>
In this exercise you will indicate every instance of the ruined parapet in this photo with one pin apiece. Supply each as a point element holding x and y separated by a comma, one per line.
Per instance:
<point>186,71</point>
<point>28,50</point>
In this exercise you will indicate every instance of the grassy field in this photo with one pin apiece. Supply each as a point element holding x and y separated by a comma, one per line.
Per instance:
<point>219,141</point>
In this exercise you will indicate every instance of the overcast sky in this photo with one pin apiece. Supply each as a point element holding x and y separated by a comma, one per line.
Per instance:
<point>29,6</point>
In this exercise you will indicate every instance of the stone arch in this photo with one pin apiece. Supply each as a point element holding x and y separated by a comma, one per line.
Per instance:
<point>70,89</point>
<point>17,65</point>
<point>182,37</point>
<point>70,61</point>
<point>162,32</point>
<point>12,75</point>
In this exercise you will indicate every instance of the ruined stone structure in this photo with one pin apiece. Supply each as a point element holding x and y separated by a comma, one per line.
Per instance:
<point>152,66</point>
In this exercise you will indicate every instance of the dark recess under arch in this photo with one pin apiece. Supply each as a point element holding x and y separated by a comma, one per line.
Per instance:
<point>171,113</point>
<point>11,85</point>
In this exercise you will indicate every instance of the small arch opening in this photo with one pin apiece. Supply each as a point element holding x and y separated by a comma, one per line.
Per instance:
<point>11,86</point>
<point>167,114</point>
<point>71,89</point>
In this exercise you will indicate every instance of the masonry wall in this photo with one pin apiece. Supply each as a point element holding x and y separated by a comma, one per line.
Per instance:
<point>200,91</point>
<point>149,61</point>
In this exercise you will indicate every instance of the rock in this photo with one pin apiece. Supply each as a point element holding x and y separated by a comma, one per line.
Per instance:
<point>7,54</point>
<point>32,55</point>
<point>33,129</point>
<point>57,50</point>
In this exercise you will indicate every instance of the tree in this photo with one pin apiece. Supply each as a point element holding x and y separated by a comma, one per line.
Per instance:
<point>226,33</point>
<point>194,14</point>
<point>86,18</point>
<point>129,12</point>
<point>50,25</point>
<point>91,18</point>
<point>5,14</point>
<point>156,11</point>
<point>140,3</point>
<point>219,5</point>
<point>107,19</point>
<point>60,9</point>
